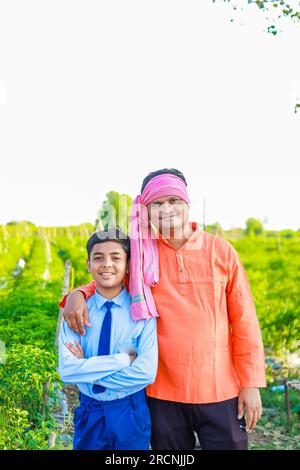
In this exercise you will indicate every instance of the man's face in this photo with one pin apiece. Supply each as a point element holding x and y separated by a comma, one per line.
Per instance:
<point>108,264</point>
<point>168,213</point>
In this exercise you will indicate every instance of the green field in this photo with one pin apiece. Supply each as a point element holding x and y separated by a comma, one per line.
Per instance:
<point>31,276</point>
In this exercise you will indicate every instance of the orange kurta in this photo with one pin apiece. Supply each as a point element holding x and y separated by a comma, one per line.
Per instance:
<point>209,338</point>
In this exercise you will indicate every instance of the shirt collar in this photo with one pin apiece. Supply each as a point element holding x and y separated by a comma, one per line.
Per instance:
<point>193,239</point>
<point>118,300</point>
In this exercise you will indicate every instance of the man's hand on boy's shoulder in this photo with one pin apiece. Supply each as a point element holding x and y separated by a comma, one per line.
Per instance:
<point>76,349</point>
<point>76,312</point>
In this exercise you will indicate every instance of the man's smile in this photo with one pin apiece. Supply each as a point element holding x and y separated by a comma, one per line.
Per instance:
<point>167,217</point>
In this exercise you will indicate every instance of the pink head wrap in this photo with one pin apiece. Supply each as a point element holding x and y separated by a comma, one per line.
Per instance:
<point>144,266</point>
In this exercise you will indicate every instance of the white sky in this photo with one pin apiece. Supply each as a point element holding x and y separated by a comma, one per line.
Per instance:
<point>96,94</point>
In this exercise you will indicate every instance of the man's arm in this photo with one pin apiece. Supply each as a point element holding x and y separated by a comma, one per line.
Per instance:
<point>248,350</point>
<point>74,370</point>
<point>87,290</point>
<point>143,370</point>
<point>75,309</point>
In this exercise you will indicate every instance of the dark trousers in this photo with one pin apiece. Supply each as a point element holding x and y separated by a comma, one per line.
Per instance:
<point>216,425</point>
<point>122,424</point>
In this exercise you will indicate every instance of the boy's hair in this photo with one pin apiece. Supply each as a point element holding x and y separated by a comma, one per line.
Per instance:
<point>171,171</point>
<point>114,234</point>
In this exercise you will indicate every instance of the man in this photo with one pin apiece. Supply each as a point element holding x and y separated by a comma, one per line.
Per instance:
<point>211,357</point>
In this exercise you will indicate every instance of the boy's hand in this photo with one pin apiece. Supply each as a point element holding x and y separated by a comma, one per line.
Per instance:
<point>76,312</point>
<point>132,356</point>
<point>250,400</point>
<point>76,349</point>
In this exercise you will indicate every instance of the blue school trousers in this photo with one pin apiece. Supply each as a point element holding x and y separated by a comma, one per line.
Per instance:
<point>122,424</point>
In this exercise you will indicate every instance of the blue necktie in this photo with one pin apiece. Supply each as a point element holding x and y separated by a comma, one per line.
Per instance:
<point>104,340</point>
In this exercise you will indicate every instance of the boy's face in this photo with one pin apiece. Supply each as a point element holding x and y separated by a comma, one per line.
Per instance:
<point>108,264</point>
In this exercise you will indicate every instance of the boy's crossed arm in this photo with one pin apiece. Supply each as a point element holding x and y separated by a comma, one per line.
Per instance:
<point>141,370</point>
<point>77,351</point>
<point>73,369</point>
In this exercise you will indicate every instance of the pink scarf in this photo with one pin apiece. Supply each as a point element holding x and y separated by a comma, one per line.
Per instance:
<point>144,265</point>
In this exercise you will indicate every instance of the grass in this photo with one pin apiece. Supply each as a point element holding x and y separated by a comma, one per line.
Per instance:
<point>272,431</point>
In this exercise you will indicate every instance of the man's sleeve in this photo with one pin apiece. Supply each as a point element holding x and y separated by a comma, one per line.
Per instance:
<point>143,369</point>
<point>88,290</point>
<point>248,347</point>
<point>74,370</point>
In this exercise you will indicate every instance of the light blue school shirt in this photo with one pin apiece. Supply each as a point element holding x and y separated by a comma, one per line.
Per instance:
<point>113,371</point>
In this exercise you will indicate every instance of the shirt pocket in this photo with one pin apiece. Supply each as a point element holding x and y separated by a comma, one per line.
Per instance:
<point>206,283</point>
<point>211,291</point>
<point>135,343</point>
<point>197,266</point>
<point>129,345</point>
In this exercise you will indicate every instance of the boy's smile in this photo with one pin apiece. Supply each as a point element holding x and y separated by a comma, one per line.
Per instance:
<point>106,274</point>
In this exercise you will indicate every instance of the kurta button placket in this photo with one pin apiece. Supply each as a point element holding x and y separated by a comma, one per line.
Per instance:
<point>182,275</point>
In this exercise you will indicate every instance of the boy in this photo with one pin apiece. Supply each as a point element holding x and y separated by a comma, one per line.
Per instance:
<point>117,358</point>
